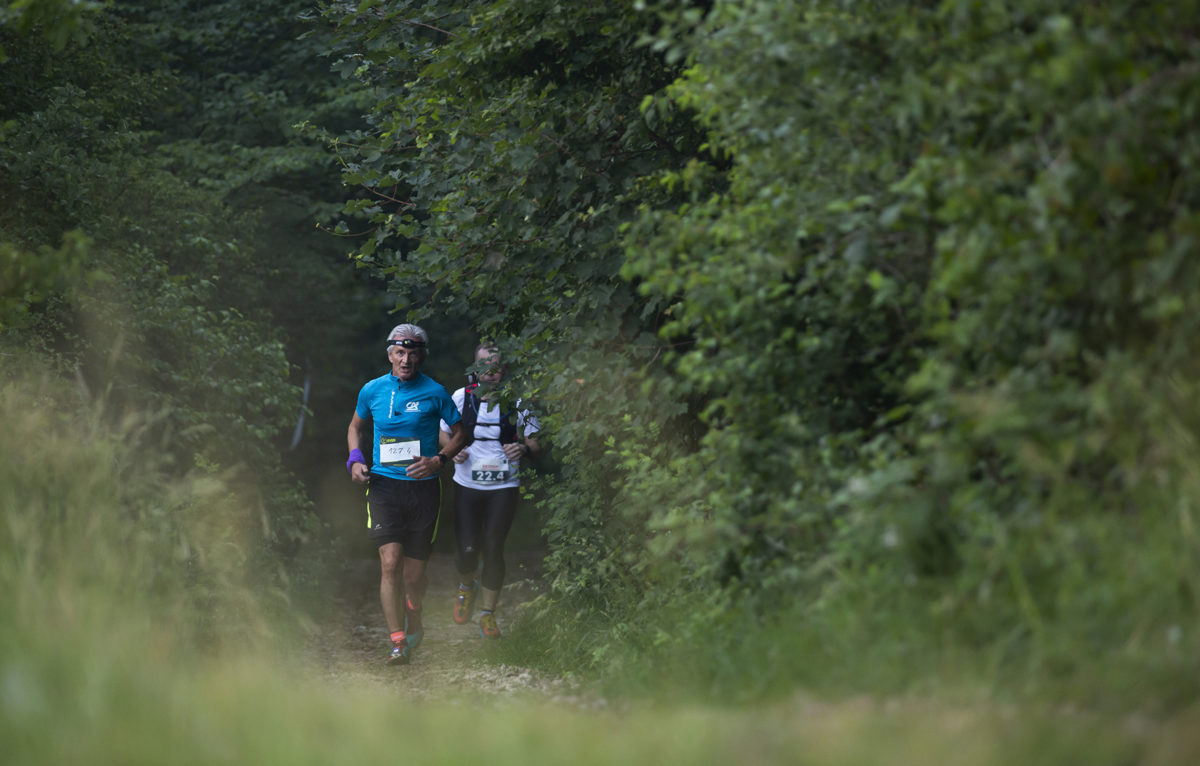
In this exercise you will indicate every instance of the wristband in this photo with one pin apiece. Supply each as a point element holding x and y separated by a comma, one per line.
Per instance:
<point>443,458</point>
<point>525,448</point>
<point>356,456</point>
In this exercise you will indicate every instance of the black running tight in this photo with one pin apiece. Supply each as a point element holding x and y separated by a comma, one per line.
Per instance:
<point>482,518</point>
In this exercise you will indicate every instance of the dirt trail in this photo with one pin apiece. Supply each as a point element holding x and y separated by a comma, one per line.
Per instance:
<point>352,642</point>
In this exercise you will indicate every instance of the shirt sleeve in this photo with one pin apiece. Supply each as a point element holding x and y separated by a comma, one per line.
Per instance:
<point>449,411</point>
<point>363,407</point>
<point>457,398</point>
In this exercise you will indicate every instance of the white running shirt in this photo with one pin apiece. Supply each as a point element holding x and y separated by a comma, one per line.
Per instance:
<point>486,467</point>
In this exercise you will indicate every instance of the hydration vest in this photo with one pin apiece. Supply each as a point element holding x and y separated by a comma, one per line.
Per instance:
<point>470,414</point>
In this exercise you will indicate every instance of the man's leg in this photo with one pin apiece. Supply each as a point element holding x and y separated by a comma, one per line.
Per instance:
<point>415,580</point>
<point>418,543</point>
<point>391,586</point>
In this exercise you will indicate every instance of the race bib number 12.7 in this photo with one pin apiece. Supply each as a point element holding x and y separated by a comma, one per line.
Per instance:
<point>398,452</point>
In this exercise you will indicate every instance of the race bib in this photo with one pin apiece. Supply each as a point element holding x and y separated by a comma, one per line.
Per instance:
<point>490,470</point>
<point>398,452</point>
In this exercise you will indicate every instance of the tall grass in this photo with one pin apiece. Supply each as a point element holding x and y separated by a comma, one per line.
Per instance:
<point>133,630</point>
<point>118,579</point>
<point>1111,626</point>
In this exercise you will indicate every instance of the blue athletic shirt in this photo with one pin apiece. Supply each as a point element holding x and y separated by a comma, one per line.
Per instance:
<point>403,414</point>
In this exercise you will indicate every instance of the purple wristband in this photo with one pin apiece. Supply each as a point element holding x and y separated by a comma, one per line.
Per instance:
<point>356,456</point>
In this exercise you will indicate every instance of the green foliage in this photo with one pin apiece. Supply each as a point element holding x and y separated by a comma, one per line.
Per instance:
<point>58,22</point>
<point>859,330</point>
<point>922,304</point>
<point>245,74</point>
<point>27,279</point>
<point>471,168</point>
<point>132,630</point>
<point>157,297</point>
<point>823,299</point>
<point>506,150</point>
<point>250,80</point>
<point>98,526</point>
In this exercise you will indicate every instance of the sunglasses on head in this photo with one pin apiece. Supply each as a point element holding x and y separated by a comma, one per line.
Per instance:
<point>406,343</point>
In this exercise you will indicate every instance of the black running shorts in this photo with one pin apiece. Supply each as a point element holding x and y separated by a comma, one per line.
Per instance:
<point>405,512</point>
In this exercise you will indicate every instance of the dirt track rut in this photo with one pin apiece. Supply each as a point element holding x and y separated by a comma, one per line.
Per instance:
<point>352,642</point>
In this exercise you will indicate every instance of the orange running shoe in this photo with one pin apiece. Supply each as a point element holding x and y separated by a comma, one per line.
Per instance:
<point>487,625</point>
<point>464,602</point>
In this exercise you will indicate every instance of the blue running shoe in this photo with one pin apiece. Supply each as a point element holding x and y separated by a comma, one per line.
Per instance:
<point>400,653</point>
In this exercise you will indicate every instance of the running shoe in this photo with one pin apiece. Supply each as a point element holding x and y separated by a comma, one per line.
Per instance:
<point>400,653</point>
<point>464,602</point>
<point>487,625</point>
<point>413,626</point>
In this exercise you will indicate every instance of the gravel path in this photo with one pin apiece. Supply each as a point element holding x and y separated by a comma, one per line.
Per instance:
<point>448,666</point>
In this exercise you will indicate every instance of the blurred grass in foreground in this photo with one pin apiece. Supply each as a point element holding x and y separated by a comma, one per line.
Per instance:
<point>131,632</point>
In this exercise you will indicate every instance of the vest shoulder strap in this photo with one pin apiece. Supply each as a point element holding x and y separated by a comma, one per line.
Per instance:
<point>470,417</point>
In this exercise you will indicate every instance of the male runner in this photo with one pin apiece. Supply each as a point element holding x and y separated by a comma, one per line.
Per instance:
<point>405,407</point>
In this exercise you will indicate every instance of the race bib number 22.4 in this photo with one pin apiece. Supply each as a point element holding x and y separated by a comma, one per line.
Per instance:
<point>489,471</point>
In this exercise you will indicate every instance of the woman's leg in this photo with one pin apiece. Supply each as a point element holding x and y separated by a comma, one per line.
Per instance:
<point>469,514</point>
<point>501,509</point>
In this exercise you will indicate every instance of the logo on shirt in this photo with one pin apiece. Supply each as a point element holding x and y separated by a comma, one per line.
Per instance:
<point>412,407</point>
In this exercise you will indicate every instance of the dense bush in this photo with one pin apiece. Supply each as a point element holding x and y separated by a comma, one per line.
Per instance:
<point>120,269</point>
<point>855,315</point>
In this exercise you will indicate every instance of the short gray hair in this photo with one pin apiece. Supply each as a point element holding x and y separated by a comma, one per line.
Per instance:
<point>411,331</point>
